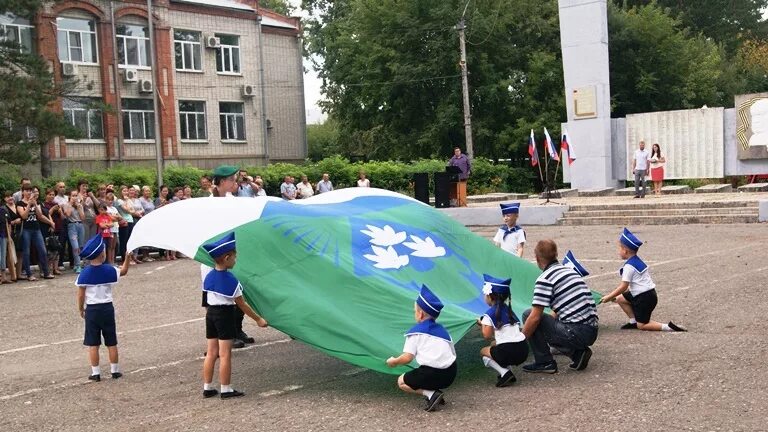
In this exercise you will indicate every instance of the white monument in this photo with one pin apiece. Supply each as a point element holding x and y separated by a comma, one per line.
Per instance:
<point>584,42</point>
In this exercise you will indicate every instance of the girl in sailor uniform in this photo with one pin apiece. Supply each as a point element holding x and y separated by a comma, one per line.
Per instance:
<point>430,344</point>
<point>510,236</point>
<point>499,323</point>
<point>636,294</point>
<point>223,295</point>
<point>94,299</point>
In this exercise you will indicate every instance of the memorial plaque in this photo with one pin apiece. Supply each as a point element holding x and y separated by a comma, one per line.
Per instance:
<point>584,103</point>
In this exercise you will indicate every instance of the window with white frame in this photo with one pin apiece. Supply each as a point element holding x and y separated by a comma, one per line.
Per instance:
<point>189,50</point>
<point>133,45</point>
<point>84,114</point>
<point>232,121</point>
<point>228,54</point>
<point>192,120</point>
<point>16,30</point>
<point>76,39</point>
<point>138,119</point>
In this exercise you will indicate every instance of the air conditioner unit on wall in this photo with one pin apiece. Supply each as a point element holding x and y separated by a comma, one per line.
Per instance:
<point>212,42</point>
<point>145,86</point>
<point>131,75</point>
<point>249,91</point>
<point>68,69</point>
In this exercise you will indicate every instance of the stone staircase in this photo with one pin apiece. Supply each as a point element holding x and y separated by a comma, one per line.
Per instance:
<point>662,213</point>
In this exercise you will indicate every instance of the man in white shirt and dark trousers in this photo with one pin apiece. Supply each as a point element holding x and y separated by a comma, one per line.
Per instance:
<point>640,169</point>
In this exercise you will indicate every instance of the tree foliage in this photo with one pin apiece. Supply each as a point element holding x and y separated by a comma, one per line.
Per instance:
<point>392,78</point>
<point>280,6</point>
<point>656,64</point>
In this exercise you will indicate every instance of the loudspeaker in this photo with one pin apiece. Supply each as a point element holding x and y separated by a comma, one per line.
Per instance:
<point>442,190</point>
<point>421,187</point>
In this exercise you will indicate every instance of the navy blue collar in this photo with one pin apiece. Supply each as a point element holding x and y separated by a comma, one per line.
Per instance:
<point>507,230</point>
<point>430,327</point>
<point>636,263</point>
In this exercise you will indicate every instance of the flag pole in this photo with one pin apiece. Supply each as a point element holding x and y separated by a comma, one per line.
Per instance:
<point>541,176</point>
<point>557,168</point>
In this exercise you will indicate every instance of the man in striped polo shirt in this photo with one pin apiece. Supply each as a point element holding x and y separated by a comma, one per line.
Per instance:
<point>572,328</point>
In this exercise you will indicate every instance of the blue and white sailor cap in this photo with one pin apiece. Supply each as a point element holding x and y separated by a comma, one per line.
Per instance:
<point>629,240</point>
<point>221,246</point>
<point>494,285</point>
<point>428,302</point>
<point>511,208</point>
<point>92,248</point>
<point>571,261</point>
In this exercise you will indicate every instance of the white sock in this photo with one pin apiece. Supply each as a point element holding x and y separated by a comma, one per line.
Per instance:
<point>665,327</point>
<point>632,321</point>
<point>495,366</point>
<point>428,393</point>
<point>114,367</point>
<point>226,388</point>
<point>207,386</point>
<point>95,370</point>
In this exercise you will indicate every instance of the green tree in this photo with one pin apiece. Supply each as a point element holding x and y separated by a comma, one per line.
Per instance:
<point>323,140</point>
<point>280,6</point>
<point>656,64</point>
<point>392,78</point>
<point>28,89</point>
<point>725,21</point>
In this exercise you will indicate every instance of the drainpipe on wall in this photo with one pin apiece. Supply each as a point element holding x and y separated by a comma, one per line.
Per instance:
<point>116,81</point>
<point>303,118</point>
<point>156,99</point>
<point>263,95</point>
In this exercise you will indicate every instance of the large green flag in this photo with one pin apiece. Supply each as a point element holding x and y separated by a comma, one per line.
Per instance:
<point>340,271</point>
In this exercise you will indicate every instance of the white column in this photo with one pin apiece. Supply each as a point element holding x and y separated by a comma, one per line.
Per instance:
<point>584,42</point>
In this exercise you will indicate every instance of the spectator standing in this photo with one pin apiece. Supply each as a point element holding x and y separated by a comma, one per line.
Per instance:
<point>65,254</point>
<point>125,208</point>
<point>24,182</point>
<point>90,204</point>
<point>31,213</point>
<point>304,188</point>
<point>147,205</point>
<point>461,161</point>
<point>640,169</point>
<point>54,213</point>
<point>205,187</point>
<point>74,212</point>
<point>657,168</point>
<point>260,183</point>
<point>187,192</point>
<point>114,214</point>
<point>362,181</point>
<point>287,189</point>
<point>246,187</point>
<point>325,184</point>
<point>13,226</point>
<point>138,212</point>
<point>4,234</point>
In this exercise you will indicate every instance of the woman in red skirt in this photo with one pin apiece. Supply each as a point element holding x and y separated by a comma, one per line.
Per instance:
<point>657,169</point>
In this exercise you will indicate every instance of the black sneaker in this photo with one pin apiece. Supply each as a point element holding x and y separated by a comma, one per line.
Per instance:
<point>629,326</point>
<point>581,359</point>
<point>232,394</point>
<point>210,393</point>
<point>434,401</point>
<point>238,344</point>
<point>549,368</point>
<point>116,375</point>
<point>676,327</point>
<point>96,377</point>
<point>245,338</point>
<point>506,379</point>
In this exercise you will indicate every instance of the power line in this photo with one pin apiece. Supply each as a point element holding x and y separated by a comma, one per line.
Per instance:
<point>493,27</point>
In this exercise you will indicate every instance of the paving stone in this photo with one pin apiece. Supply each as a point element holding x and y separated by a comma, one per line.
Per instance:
<point>754,187</point>
<point>714,188</point>
<point>597,192</point>
<point>673,190</point>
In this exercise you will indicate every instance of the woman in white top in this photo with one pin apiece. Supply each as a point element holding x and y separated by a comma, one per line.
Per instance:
<point>657,169</point>
<point>362,181</point>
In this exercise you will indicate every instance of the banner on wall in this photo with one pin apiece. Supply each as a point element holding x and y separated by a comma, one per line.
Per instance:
<point>752,126</point>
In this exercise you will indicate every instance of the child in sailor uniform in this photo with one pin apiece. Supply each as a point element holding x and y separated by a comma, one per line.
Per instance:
<point>636,294</point>
<point>499,323</point>
<point>94,300</point>
<point>510,236</point>
<point>432,347</point>
<point>223,294</point>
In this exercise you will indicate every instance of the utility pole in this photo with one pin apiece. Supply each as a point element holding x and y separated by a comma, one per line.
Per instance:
<point>156,98</point>
<point>465,87</point>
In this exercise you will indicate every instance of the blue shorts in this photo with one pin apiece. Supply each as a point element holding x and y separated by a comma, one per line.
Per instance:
<point>100,321</point>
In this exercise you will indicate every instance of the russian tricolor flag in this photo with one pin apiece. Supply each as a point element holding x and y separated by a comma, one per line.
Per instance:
<point>551,146</point>
<point>532,150</point>
<point>565,144</point>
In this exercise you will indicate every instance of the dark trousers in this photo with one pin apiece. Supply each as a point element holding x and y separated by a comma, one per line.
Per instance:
<point>239,315</point>
<point>566,337</point>
<point>125,234</point>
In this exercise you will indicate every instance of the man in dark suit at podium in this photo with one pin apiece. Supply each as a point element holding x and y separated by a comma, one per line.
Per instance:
<point>459,191</point>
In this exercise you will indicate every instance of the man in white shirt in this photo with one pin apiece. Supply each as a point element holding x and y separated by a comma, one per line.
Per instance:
<point>640,169</point>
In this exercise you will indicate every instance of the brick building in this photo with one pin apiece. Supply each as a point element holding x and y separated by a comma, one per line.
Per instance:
<point>206,76</point>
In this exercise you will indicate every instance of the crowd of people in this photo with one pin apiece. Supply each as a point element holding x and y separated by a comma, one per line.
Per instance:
<point>49,231</point>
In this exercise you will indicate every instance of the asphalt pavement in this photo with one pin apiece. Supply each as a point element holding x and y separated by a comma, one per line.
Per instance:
<point>710,279</point>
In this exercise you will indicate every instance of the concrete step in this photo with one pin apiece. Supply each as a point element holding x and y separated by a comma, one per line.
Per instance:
<point>754,187</point>
<point>493,197</point>
<point>665,190</point>
<point>743,211</point>
<point>659,220</point>
<point>649,204</point>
